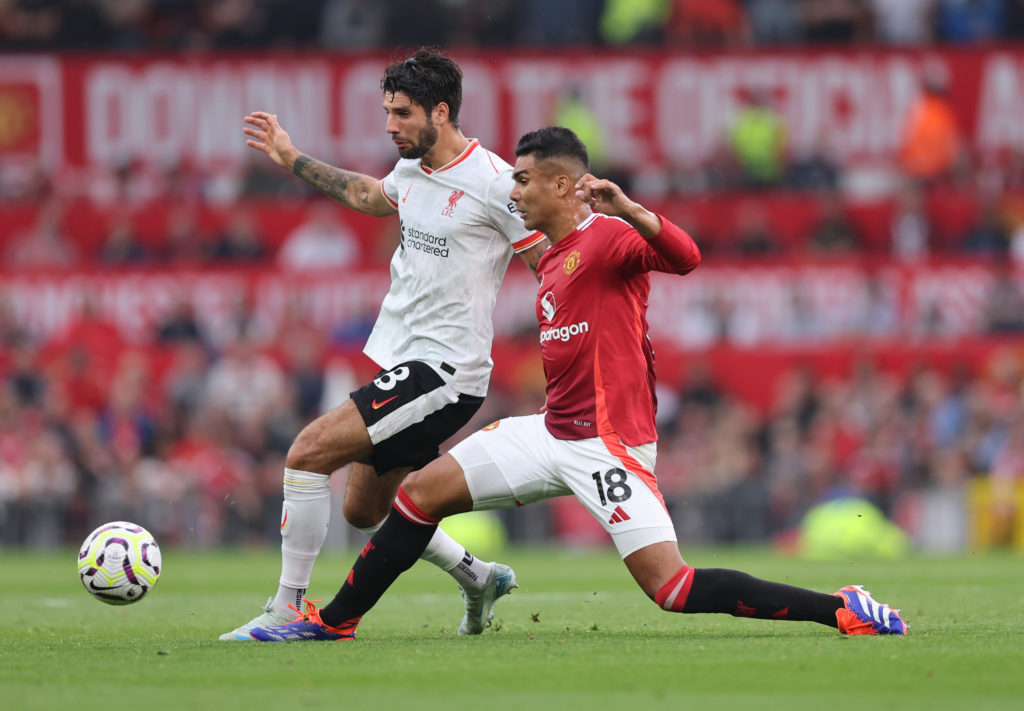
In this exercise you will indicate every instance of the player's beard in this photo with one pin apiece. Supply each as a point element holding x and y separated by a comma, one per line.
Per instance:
<point>424,142</point>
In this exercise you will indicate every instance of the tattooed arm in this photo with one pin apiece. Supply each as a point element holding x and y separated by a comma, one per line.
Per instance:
<point>355,190</point>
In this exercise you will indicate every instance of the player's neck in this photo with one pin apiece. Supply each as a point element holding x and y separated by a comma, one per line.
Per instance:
<point>450,145</point>
<point>567,222</point>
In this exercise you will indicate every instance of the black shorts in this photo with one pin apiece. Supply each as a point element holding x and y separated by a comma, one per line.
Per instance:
<point>409,411</point>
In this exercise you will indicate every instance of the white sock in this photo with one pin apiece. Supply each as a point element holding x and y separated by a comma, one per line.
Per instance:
<point>305,516</point>
<point>450,556</point>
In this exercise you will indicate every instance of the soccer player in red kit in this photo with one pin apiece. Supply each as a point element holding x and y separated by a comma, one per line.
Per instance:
<point>596,439</point>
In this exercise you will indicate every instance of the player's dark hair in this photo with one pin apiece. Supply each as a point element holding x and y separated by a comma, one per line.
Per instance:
<point>553,142</point>
<point>428,77</point>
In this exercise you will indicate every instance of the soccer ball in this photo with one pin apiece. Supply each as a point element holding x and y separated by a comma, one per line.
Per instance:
<point>119,563</point>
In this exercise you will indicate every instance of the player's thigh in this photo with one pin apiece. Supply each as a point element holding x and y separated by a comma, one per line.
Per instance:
<point>618,489</point>
<point>330,441</point>
<point>507,463</point>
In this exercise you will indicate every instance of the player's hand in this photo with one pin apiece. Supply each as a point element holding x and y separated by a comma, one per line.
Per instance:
<point>603,196</point>
<point>606,197</point>
<point>268,137</point>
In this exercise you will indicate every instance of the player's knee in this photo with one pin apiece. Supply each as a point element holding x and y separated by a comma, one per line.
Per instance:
<point>361,516</point>
<point>421,494</point>
<point>301,454</point>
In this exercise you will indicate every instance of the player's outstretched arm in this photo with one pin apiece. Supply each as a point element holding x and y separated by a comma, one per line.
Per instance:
<point>355,190</point>
<point>607,197</point>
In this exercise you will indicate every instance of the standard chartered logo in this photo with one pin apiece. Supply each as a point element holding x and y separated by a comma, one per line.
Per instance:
<point>426,242</point>
<point>564,333</point>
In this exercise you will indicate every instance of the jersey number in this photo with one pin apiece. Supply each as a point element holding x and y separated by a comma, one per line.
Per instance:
<point>618,489</point>
<point>391,378</point>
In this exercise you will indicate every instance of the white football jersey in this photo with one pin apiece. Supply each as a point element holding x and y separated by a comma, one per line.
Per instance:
<point>459,231</point>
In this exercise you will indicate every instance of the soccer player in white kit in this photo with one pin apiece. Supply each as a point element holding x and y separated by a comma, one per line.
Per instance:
<point>432,339</point>
<point>596,439</point>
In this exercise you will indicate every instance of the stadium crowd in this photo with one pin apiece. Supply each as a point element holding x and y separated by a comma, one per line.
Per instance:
<point>190,432</point>
<point>132,25</point>
<point>188,429</point>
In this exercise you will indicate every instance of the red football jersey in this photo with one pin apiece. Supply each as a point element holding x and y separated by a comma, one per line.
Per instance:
<point>592,309</point>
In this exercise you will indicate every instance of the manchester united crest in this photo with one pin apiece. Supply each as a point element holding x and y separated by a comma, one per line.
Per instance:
<point>572,262</point>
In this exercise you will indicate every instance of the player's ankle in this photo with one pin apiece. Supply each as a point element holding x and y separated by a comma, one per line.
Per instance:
<point>471,573</point>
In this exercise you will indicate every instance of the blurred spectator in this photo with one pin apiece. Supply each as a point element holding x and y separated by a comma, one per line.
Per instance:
<point>235,24</point>
<point>812,167</point>
<point>707,23</point>
<point>244,382</point>
<point>90,332</point>
<point>569,23</point>
<point>831,22</point>
<point>240,240</point>
<point>970,21</point>
<point>758,141</point>
<point>186,243</point>
<point>45,243</point>
<point>1017,242</point>
<point>184,181</point>
<point>634,22</point>
<point>910,226</point>
<point>832,233</point>
<point>775,22</point>
<point>352,24</point>
<point>754,235</point>
<point>12,332</point>
<point>29,183</point>
<point>943,521</point>
<point>931,143</point>
<point>324,241</point>
<point>184,384</point>
<point>180,324</point>
<point>877,313</point>
<point>989,236</point>
<point>23,376</point>
<point>31,24</point>
<point>122,245</point>
<point>903,22</point>
<point>1004,304</point>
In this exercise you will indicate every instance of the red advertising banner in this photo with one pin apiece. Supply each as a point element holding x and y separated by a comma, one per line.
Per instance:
<point>654,107</point>
<point>801,303</point>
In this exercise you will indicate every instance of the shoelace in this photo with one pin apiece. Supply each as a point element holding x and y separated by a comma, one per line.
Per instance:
<point>310,613</point>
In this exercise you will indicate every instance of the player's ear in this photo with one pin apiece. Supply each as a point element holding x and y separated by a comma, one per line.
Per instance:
<point>441,113</point>
<point>563,185</point>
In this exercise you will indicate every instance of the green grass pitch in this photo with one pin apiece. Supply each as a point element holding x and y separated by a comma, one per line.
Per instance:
<point>577,635</point>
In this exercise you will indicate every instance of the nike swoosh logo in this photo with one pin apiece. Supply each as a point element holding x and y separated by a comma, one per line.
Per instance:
<point>101,588</point>
<point>378,405</point>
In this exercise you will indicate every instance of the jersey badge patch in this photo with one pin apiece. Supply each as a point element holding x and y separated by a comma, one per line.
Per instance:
<point>572,262</point>
<point>449,211</point>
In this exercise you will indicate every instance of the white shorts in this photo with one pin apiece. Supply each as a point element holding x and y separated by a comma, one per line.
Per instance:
<point>516,461</point>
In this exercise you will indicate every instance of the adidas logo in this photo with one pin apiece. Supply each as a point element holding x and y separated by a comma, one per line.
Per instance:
<point>618,516</point>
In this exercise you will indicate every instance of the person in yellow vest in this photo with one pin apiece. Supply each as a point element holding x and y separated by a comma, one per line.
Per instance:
<point>758,142</point>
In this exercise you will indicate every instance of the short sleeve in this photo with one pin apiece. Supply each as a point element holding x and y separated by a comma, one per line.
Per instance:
<point>389,188</point>
<point>504,216</point>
